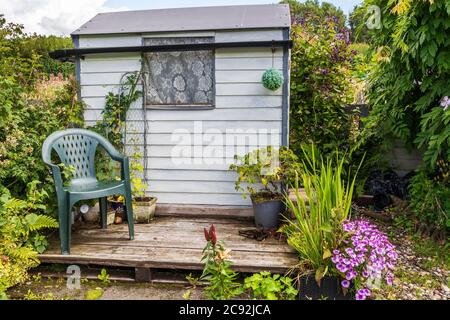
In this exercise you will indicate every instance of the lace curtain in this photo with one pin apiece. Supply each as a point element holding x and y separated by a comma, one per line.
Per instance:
<point>179,78</point>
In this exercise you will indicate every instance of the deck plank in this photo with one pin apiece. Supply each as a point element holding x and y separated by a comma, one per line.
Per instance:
<point>171,243</point>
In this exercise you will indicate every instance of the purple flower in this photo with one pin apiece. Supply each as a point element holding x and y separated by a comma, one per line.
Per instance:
<point>341,267</point>
<point>360,296</point>
<point>345,283</point>
<point>366,292</point>
<point>368,254</point>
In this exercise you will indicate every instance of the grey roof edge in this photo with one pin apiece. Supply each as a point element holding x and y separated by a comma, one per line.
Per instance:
<point>262,16</point>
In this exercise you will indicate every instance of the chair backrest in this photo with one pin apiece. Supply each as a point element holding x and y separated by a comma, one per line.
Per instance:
<point>76,148</point>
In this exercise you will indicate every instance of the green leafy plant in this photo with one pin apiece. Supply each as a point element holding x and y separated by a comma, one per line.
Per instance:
<point>112,128</point>
<point>116,108</point>
<point>262,171</point>
<point>20,241</point>
<point>217,269</point>
<point>194,282</point>
<point>409,82</point>
<point>317,227</point>
<point>430,205</point>
<point>104,277</point>
<point>93,294</point>
<point>265,286</point>
<point>33,104</point>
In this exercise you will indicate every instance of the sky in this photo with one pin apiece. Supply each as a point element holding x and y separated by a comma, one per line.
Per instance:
<point>61,17</point>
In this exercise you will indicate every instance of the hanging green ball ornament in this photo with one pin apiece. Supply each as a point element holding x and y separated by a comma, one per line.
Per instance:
<point>272,79</point>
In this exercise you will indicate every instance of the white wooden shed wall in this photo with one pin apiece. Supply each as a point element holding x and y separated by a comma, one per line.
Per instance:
<point>241,103</point>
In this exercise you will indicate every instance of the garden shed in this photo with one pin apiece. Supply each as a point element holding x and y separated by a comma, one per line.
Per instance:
<point>202,99</point>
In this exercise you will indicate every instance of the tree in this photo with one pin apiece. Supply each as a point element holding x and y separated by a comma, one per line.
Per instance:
<point>314,11</point>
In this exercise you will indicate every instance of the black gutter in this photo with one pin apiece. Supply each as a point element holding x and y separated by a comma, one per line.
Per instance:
<point>57,54</point>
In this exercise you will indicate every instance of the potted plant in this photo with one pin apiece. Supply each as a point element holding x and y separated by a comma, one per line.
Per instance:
<point>144,207</point>
<point>263,172</point>
<point>316,229</point>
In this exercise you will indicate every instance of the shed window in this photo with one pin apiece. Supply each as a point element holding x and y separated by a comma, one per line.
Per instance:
<point>179,79</point>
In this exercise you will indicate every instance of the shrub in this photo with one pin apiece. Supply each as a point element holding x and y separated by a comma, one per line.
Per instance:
<point>408,94</point>
<point>320,79</point>
<point>20,241</point>
<point>430,205</point>
<point>32,105</point>
<point>410,79</point>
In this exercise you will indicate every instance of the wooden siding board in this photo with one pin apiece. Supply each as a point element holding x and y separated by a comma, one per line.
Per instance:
<point>207,139</point>
<point>169,151</point>
<point>222,102</point>
<point>243,114</point>
<point>200,198</point>
<point>248,63</point>
<point>222,89</point>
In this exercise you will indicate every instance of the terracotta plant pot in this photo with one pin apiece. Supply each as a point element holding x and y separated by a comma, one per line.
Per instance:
<point>330,289</point>
<point>144,209</point>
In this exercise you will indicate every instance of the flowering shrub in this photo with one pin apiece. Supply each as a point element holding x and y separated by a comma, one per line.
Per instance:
<point>320,78</point>
<point>365,258</point>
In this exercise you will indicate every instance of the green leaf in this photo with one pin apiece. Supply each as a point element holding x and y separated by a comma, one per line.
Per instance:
<point>326,254</point>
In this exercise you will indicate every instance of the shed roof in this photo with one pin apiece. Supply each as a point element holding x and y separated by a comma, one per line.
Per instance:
<point>188,19</point>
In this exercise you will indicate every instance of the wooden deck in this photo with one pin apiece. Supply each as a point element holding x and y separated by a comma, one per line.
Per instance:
<point>171,242</point>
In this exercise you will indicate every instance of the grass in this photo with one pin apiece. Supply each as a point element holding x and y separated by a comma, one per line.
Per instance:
<point>438,254</point>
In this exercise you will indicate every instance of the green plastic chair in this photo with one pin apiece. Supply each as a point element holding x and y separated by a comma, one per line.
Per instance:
<point>76,148</point>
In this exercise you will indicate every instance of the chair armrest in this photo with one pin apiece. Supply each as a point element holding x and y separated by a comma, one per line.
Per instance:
<point>56,173</point>
<point>125,168</point>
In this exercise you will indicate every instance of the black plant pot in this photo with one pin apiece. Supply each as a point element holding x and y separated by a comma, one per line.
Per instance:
<point>330,289</point>
<point>267,213</point>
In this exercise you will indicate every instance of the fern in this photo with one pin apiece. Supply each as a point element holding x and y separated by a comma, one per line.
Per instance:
<point>15,205</point>
<point>23,253</point>
<point>38,221</point>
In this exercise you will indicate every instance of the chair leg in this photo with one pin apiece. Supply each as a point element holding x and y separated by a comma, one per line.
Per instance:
<point>103,212</point>
<point>69,227</point>
<point>129,210</point>
<point>64,228</point>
